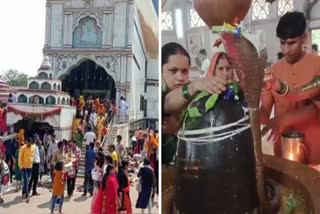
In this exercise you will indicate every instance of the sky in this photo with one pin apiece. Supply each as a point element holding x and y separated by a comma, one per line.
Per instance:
<point>22,33</point>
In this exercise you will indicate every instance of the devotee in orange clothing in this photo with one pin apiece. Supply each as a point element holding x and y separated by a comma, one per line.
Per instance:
<point>295,70</point>
<point>58,186</point>
<point>96,104</point>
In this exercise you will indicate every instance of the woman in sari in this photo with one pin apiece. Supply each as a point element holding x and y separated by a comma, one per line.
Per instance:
<point>124,187</point>
<point>177,92</point>
<point>147,182</point>
<point>107,197</point>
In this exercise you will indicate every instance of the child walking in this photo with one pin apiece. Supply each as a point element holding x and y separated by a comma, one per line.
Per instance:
<point>58,186</point>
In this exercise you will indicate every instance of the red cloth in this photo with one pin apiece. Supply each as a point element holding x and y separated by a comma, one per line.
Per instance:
<point>106,201</point>
<point>3,121</point>
<point>126,198</point>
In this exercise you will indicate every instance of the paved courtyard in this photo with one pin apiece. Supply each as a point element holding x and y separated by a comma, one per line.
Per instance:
<point>15,204</point>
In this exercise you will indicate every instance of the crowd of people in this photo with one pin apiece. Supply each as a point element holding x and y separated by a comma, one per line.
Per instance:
<point>106,165</point>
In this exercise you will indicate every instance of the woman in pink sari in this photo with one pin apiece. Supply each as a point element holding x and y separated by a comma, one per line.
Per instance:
<point>106,200</point>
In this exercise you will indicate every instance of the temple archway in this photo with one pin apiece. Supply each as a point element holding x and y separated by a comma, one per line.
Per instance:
<point>88,78</point>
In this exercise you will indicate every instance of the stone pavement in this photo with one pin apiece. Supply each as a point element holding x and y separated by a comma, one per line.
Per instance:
<point>15,204</point>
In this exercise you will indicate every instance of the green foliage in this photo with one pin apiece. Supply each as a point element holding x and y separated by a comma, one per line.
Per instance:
<point>16,78</point>
<point>194,112</point>
<point>211,101</point>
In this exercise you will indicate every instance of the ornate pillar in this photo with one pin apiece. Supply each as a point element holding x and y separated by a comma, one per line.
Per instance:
<point>117,94</point>
<point>118,69</point>
<point>129,69</point>
<point>109,29</point>
<point>130,23</point>
<point>70,29</point>
<point>65,30</point>
<point>48,25</point>
<point>106,43</point>
<point>123,75</point>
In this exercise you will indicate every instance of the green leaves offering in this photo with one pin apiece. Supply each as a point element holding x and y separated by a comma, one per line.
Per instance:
<point>194,112</point>
<point>211,101</point>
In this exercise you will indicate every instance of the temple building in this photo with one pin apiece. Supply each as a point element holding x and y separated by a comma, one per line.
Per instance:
<point>42,106</point>
<point>106,49</point>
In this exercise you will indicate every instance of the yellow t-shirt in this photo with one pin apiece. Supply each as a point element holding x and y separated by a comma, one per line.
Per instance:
<point>115,157</point>
<point>26,157</point>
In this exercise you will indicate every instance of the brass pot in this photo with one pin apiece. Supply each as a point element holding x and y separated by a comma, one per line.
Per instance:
<point>293,147</point>
<point>234,11</point>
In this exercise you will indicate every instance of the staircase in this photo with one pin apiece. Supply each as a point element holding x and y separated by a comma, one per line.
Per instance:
<point>115,128</point>
<point>82,162</point>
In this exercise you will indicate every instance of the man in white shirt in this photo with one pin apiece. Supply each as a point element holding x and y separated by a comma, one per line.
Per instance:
<point>93,118</point>
<point>120,147</point>
<point>205,63</point>
<point>123,108</point>
<point>89,137</point>
<point>35,166</point>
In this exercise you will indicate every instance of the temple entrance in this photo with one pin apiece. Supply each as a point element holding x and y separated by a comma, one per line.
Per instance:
<point>32,127</point>
<point>89,79</point>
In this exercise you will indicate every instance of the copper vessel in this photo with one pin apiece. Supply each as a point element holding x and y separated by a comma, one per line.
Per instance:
<point>293,147</point>
<point>216,12</point>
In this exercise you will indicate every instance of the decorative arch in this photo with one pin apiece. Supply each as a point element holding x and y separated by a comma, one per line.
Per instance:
<point>43,75</point>
<point>59,87</point>
<point>87,33</point>
<point>45,86</point>
<point>63,101</point>
<point>84,16</point>
<point>50,76</point>
<point>68,102</point>
<point>34,85</point>
<point>101,61</point>
<point>22,98</point>
<point>54,86</point>
<point>32,99</point>
<point>51,100</point>
<point>88,76</point>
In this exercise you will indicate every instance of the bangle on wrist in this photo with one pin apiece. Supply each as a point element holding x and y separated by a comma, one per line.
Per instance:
<point>185,92</point>
<point>284,89</point>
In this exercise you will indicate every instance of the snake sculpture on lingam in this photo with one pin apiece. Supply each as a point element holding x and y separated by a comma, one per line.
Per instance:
<point>219,156</point>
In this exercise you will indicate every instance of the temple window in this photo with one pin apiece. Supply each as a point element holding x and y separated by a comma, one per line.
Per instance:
<point>51,100</point>
<point>43,75</point>
<point>22,99</point>
<point>33,85</point>
<point>166,20</point>
<point>195,20</point>
<point>87,34</point>
<point>45,86</point>
<point>284,6</point>
<point>260,10</point>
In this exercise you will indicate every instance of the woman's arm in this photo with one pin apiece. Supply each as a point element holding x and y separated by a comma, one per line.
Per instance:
<point>175,101</point>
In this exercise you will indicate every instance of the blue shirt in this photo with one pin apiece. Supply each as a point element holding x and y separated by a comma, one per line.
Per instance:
<point>11,147</point>
<point>90,159</point>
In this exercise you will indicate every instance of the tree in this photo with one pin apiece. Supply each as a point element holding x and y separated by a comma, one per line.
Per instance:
<point>16,78</point>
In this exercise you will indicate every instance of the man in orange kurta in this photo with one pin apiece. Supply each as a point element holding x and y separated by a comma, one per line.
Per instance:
<point>296,69</point>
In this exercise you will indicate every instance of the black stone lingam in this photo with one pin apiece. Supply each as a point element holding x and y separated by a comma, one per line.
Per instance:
<point>216,176</point>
